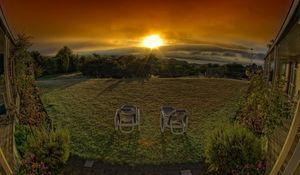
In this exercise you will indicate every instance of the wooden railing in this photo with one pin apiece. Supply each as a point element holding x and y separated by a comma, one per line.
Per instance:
<point>4,164</point>
<point>293,131</point>
<point>294,162</point>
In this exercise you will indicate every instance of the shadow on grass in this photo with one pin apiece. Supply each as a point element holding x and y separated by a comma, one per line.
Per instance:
<point>72,83</point>
<point>58,85</point>
<point>183,142</point>
<point>111,87</point>
<point>163,146</point>
<point>116,82</point>
<point>189,146</point>
<point>123,146</point>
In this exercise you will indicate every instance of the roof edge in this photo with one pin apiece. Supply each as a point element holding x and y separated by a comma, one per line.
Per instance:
<point>5,26</point>
<point>283,27</point>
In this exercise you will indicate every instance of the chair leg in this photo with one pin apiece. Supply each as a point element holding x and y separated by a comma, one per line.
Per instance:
<point>179,132</point>
<point>129,131</point>
<point>138,120</point>
<point>117,122</point>
<point>162,124</point>
<point>186,124</point>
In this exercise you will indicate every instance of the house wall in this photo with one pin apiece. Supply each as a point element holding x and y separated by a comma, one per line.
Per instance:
<point>287,76</point>
<point>277,140</point>
<point>281,68</point>
<point>8,105</point>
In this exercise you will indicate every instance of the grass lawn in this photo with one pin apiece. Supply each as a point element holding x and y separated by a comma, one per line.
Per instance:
<point>86,107</point>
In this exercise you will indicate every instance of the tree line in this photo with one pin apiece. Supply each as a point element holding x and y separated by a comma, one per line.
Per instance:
<point>131,66</point>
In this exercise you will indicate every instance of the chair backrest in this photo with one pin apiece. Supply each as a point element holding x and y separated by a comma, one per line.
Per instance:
<point>168,110</point>
<point>127,112</point>
<point>179,114</point>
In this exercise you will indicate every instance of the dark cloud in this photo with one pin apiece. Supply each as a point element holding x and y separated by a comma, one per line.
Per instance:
<point>50,48</point>
<point>195,53</point>
<point>229,54</point>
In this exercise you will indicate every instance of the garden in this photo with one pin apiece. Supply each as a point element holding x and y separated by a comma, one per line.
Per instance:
<point>71,114</point>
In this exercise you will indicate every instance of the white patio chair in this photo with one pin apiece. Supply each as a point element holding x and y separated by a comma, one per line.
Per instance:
<point>175,119</point>
<point>128,116</point>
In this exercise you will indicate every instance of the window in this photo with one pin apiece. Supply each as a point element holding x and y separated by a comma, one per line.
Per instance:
<point>292,81</point>
<point>271,72</point>
<point>283,73</point>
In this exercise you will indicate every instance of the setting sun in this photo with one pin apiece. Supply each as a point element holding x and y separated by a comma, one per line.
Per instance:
<point>152,41</point>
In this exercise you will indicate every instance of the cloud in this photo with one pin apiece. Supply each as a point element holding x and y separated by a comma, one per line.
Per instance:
<point>195,53</point>
<point>51,46</point>
<point>122,23</point>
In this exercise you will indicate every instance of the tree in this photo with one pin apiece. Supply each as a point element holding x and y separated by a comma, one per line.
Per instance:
<point>74,63</point>
<point>63,57</point>
<point>38,63</point>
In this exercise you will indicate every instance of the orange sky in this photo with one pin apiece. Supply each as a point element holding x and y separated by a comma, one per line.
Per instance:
<point>89,25</point>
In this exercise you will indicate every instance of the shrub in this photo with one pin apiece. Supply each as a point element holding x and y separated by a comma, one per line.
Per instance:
<point>38,71</point>
<point>49,150</point>
<point>31,111</point>
<point>232,149</point>
<point>22,133</point>
<point>31,165</point>
<point>265,106</point>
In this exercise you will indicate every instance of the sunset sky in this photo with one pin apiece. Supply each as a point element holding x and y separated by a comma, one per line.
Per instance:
<point>92,25</point>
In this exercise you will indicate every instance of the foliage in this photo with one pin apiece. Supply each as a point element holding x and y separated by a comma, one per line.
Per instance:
<point>50,66</point>
<point>45,152</point>
<point>37,61</point>
<point>176,68</point>
<point>22,133</point>
<point>64,61</point>
<point>232,149</point>
<point>122,67</point>
<point>42,151</point>
<point>31,109</point>
<point>132,66</point>
<point>265,106</point>
<point>63,57</point>
<point>31,165</point>
<point>129,66</point>
<point>235,71</point>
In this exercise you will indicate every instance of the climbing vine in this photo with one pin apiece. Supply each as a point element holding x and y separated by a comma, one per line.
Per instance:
<point>31,109</point>
<point>265,106</point>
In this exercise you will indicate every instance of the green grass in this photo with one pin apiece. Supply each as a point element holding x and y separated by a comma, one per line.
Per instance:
<point>86,107</point>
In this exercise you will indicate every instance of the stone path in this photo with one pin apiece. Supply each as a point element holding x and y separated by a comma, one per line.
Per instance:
<point>77,166</point>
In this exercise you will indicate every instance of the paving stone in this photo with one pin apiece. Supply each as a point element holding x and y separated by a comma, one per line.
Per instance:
<point>186,172</point>
<point>88,163</point>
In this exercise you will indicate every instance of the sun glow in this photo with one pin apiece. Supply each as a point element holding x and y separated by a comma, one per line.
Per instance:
<point>152,41</point>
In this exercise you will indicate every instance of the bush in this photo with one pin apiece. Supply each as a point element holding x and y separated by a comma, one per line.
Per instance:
<point>32,111</point>
<point>122,67</point>
<point>233,149</point>
<point>45,152</point>
<point>265,106</point>
<point>22,133</point>
<point>31,165</point>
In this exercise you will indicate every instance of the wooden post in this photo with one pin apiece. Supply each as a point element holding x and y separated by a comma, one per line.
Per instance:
<point>7,72</point>
<point>10,106</point>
